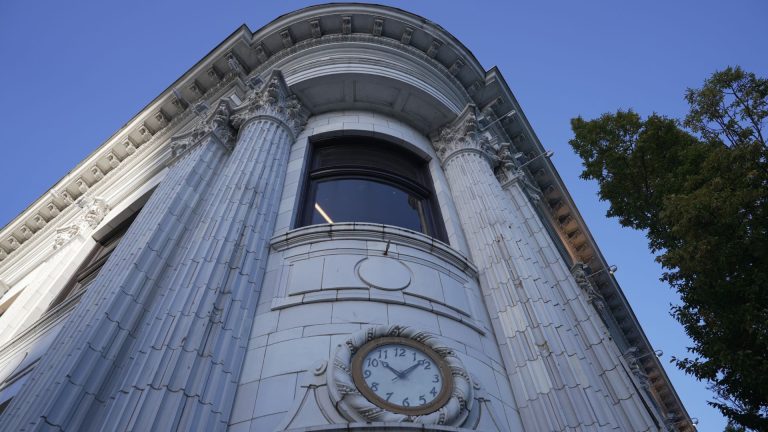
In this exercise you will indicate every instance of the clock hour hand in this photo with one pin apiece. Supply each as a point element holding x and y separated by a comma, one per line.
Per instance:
<point>409,370</point>
<point>395,371</point>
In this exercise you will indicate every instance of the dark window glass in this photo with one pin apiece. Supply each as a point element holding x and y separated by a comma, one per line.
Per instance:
<point>364,200</point>
<point>367,180</point>
<point>4,405</point>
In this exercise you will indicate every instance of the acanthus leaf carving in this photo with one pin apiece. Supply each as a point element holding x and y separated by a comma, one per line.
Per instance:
<point>273,99</point>
<point>463,135</point>
<point>217,124</point>
<point>94,210</point>
<point>65,235</point>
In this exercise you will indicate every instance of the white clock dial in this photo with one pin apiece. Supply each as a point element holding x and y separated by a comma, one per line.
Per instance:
<point>402,376</point>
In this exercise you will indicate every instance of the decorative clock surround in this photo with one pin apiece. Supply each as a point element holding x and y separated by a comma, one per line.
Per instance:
<point>452,410</point>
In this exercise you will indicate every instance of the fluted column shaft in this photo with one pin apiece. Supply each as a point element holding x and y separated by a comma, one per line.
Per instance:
<point>66,382</point>
<point>158,341</point>
<point>538,248</point>
<point>555,385</point>
<point>198,331</point>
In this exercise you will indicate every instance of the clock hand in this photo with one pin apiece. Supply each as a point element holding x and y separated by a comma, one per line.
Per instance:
<point>395,371</point>
<point>409,370</point>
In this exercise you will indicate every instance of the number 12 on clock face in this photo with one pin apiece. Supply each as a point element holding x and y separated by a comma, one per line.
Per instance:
<point>401,375</point>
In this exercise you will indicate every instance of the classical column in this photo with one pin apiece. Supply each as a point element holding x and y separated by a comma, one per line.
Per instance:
<point>555,385</point>
<point>157,342</point>
<point>583,308</point>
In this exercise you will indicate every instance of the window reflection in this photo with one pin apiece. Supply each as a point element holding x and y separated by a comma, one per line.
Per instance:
<point>363,179</point>
<point>360,200</point>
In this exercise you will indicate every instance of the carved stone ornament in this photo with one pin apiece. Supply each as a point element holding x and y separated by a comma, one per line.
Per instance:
<point>506,169</point>
<point>234,64</point>
<point>463,135</point>
<point>632,356</point>
<point>94,210</point>
<point>357,408</point>
<point>579,272</point>
<point>64,235</point>
<point>272,100</point>
<point>217,124</point>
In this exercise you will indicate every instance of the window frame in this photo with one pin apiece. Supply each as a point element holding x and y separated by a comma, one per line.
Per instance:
<point>419,185</point>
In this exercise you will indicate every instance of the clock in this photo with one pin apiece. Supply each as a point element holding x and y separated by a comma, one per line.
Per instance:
<point>395,373</point>
<point>402,375</point>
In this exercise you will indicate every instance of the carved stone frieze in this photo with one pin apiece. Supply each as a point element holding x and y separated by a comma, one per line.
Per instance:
<point>273,100</point>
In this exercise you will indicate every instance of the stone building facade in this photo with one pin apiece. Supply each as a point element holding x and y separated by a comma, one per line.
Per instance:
<point>344,183</point>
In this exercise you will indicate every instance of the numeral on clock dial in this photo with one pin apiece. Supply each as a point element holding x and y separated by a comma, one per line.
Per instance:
<point>402,375</point>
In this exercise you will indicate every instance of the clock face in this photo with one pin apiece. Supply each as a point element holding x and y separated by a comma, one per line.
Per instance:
<point>401,375</point>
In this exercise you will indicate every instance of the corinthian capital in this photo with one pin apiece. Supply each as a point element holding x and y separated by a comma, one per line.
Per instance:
<point>216,123</point>
<point>274,100</point>
<point>462,135</point>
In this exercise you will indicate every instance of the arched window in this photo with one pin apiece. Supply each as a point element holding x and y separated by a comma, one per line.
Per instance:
<point>362,179</point>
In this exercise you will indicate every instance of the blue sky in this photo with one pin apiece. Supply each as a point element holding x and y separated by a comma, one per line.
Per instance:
<point>75,72</point>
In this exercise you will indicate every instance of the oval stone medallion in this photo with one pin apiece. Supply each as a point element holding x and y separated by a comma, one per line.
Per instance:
<point>384,273</point>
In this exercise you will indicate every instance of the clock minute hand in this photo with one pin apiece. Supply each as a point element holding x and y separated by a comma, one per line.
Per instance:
<point>410,369</point>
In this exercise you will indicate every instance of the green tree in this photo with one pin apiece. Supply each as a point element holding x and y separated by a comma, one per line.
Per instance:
<point>699,188</point>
